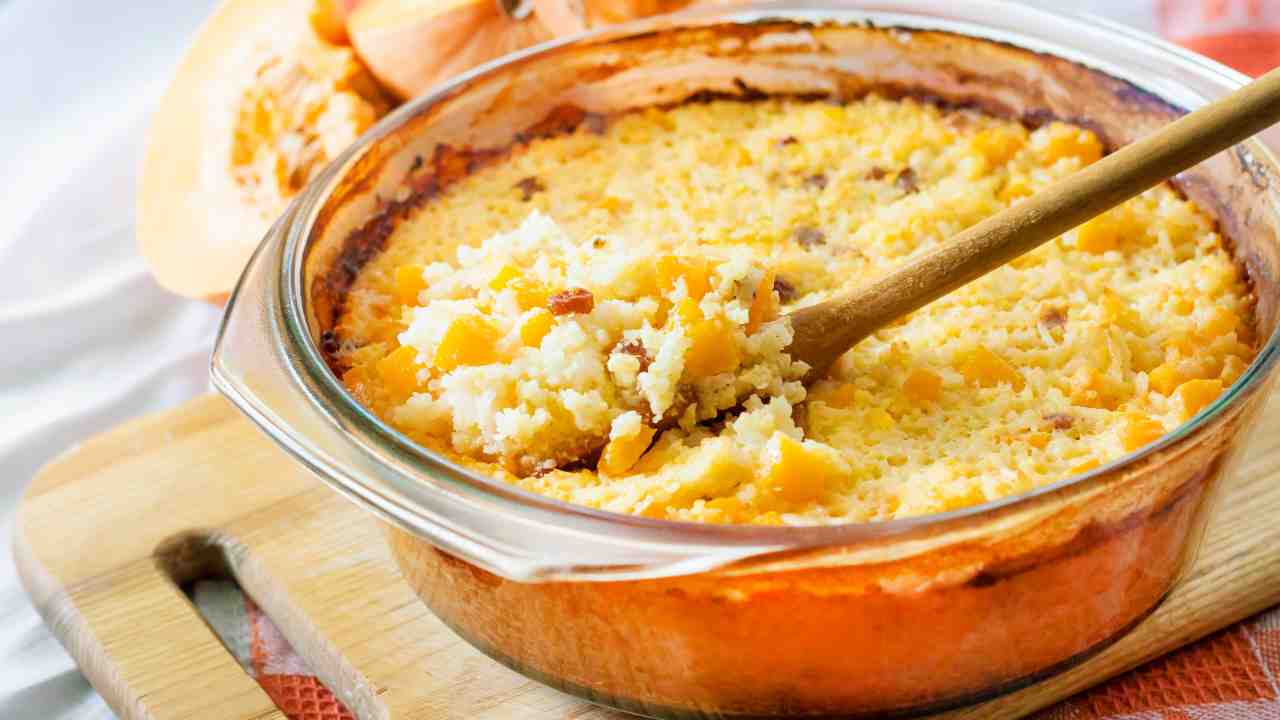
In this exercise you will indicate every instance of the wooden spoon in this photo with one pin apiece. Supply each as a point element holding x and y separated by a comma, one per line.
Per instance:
<point>823,332</point>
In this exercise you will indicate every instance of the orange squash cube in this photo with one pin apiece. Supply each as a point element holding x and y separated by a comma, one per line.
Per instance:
<point>1138,430</point>
<point>797,473</point>
<point>399,371</point>
<point>1065,141</point>
<point>714,349</point>
<point>1085,467</point>
<point>1165,378</point>
<point>1092,389</point>
<point>535,327</point>
<point>1015,189</point>
<point>922,386</point>
<point>469,340</point>
<point>764,305</point>
<point>408,283</point>
<point>1038,440</point>
<point>879,419</point>
<point>1099,235</point>
<point>357,381</point>
<point>835,394</point>
<point>1221,321</point>
<point>530,294</point>
<point>621,454</point>
<point>696,273</point>
<point>1195,394</point>
<point>769,518</point>
<point>997,144</point>
<point>505,274</point>
<point>988,369</point>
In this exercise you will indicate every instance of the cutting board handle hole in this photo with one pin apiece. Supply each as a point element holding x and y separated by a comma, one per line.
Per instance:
<point>198,563</point>
<point>192,556</point>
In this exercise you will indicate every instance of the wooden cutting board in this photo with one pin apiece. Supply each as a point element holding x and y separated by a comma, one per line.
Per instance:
<point>105,531</point>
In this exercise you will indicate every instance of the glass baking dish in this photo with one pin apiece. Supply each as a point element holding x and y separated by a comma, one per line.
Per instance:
<point>686,620</point>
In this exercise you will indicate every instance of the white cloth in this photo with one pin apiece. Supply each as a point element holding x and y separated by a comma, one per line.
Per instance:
<point>87,340</point>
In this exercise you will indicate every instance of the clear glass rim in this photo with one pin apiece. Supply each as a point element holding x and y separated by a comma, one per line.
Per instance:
<point>343,409</point>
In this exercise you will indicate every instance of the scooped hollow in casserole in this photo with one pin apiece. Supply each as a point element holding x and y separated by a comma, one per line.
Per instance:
<point>584,315</point>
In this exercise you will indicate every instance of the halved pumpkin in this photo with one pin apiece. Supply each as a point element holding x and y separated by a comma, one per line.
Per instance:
<point>411,45</point>
<point>270,92</point>
<point>259,105</point>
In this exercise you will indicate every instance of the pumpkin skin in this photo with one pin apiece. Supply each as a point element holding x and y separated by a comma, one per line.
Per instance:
<point>258,105</point>
<point>391,35</point>
<point>567,17</point>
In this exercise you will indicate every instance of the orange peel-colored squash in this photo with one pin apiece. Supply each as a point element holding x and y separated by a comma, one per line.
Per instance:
<point>412,45</point>
<point>566,17</point>
<point>271,90</point>
<point>260,103</point>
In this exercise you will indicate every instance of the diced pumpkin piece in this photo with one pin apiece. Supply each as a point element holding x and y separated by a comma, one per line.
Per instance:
<point>726,510</point>
<point>768,518</point>
<point>1232,368</point>
<point>408,283</point>
<point>614,203</point>
<point>1016,188</point>
<point>960,493</point>
<point>997,144</point>
<point>880,419</point>
<point>1118,311</point>
<point>469,340</point>
<point>357,381</point>
<point>529,294</point>
<point>1038,440</point>
<point>696,273</point>
<point>797,474</point>
<point>1060,140</point>
<point>1221,321</point>
<point>1093,389</point>
<point>1165,378</point>
<point>399,370</point>
<point>1138,430</point>
<point>1195,394</point>
<point>688,312</point>
<point>835,394</point>
<point>764,305</point>
<point>988,369</point>
<point>714,349</point>
<point>1099,235</point>
<point>1085,467</point>
<point>505,275</point>
<point>535,327</point>
<point>621,454</point>
<point>922,386</point>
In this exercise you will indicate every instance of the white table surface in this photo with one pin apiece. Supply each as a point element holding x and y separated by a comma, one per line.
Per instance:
<point>88,338</point>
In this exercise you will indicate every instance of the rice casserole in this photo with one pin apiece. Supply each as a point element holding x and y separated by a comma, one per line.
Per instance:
<point>599,315</point>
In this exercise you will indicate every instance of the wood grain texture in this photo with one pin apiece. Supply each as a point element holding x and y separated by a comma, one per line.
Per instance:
<point>823,332</point>
<point>104,529</point>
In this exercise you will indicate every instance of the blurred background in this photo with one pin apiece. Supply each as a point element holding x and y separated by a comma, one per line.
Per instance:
<point>89,340</point>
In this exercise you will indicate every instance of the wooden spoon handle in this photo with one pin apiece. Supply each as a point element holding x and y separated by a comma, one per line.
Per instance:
<point>825,331</point>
